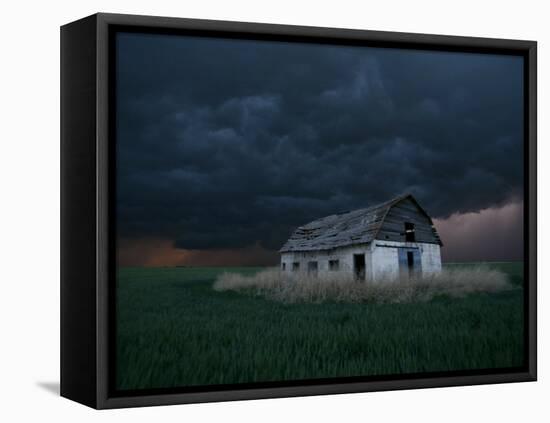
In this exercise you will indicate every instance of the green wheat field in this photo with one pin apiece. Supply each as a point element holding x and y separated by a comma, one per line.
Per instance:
<point>174,330</point>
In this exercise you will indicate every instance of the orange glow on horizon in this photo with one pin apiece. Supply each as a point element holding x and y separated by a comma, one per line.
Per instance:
<point>156,252</point>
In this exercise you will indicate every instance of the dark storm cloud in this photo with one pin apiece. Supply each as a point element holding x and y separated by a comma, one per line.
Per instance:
<point>231,143</point>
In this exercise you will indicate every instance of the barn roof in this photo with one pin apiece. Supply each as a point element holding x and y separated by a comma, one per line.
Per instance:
<point>343,229</point>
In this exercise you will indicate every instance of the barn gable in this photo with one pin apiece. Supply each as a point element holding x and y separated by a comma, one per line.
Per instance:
<point>383,221</point>
<point>407,209</point>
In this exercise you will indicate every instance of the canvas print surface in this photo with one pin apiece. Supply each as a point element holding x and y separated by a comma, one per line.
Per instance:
<point>291,211</point>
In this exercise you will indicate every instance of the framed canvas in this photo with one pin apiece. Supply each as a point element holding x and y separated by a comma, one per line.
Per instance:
<point>256,211</point>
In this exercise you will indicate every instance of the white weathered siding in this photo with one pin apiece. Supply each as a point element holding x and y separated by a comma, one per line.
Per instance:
<point>385,260</point>
<point>386,257</point>
<point>344,255</point>
<point>381,258</point>
<point>431,258</point>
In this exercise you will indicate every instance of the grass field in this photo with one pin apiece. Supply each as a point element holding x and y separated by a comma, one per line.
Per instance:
<point>174,330</point>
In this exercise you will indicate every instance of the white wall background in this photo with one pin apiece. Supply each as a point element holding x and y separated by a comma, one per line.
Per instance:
<point>29,211</point>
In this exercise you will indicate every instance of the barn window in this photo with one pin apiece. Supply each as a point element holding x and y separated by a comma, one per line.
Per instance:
<point>333,264</point>
<point>312,267</point>
<point>284,266</point>
<point>295,266</point>
<point>409,232</point>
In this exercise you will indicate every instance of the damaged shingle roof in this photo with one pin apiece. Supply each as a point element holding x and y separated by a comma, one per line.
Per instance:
<point>342,229</point>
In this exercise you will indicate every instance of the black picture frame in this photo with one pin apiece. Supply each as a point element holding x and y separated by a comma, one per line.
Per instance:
<point>87,196</point>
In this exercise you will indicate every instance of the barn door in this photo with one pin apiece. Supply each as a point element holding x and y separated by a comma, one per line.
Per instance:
<point>403,265</point>
<point>359,266</point>
<point>409,262</point>
<point>417,262</point>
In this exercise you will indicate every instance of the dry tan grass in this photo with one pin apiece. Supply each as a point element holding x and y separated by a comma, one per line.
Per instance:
<point>338,287</point>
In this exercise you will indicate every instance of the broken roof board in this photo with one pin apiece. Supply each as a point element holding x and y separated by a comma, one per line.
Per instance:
<point>349,228</point>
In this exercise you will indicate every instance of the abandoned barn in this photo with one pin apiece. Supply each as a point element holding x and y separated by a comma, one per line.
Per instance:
<point>393,239</point>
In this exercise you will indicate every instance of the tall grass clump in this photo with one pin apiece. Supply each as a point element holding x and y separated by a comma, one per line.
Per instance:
<point>339,287</point>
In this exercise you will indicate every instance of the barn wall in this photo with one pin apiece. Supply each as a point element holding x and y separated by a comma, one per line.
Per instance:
<point>343,254</point>
<point>385,258</point>
<point>381,258</point>
<point>431,258</point>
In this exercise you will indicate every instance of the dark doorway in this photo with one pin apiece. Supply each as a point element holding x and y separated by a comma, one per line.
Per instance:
<point>312,267</point>
<point>410,262</point>
<point>359,266</point>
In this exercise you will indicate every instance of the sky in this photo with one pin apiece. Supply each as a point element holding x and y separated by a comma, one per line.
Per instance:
<point>225,146</point>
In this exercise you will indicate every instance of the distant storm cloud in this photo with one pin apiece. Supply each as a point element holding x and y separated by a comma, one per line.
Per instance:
<point>491,234</point>
<point>230,144</point>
